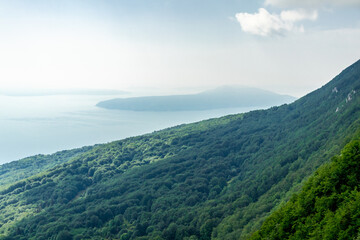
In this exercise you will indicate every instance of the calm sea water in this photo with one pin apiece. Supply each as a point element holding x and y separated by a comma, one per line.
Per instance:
<point>46,124</point>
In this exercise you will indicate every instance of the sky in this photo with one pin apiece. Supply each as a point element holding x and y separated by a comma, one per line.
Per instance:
<point>176,46</point>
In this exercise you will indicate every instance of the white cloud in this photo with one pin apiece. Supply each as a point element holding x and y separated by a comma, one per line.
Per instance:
<point>265,24</point>
<point>311,3</point>
<point>298,15</point>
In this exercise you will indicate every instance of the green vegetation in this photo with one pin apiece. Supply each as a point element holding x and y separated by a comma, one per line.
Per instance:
<point>27,167</point>
<point>328,207</point>
<point>216,179</point>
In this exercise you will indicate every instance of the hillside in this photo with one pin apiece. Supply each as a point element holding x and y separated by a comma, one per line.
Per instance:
<point>24,168</point>
<point>328,207</point>
<point>216,179</point>
<point>223,97</point>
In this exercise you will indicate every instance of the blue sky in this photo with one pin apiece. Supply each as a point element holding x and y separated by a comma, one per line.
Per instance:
<point>173,46</point>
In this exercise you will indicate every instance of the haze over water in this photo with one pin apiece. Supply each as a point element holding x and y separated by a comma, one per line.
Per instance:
<point>46,124</point>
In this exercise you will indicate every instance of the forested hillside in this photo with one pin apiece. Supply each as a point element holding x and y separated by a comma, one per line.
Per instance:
<point>24,168</point>
<point>216,179</point>
<point>328,207</point>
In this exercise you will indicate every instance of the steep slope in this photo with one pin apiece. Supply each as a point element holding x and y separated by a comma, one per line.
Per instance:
<point>328,207</point>
<point>223,97</point>
<point>325,119</point>
<point>214,179</point>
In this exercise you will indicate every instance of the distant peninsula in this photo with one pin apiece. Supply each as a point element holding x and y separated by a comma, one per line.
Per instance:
<point>222,97</point>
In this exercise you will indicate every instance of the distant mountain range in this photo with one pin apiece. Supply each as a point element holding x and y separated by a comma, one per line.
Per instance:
<point>222,97</point>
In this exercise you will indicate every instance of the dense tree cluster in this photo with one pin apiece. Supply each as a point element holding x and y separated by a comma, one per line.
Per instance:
<point>27,167</point>
<point>328,207</point>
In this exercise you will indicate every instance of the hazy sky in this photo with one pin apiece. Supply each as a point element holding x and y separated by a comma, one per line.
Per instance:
<point>287,46</point>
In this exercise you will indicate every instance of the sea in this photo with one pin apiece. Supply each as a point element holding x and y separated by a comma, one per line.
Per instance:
<point>31,125</point>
